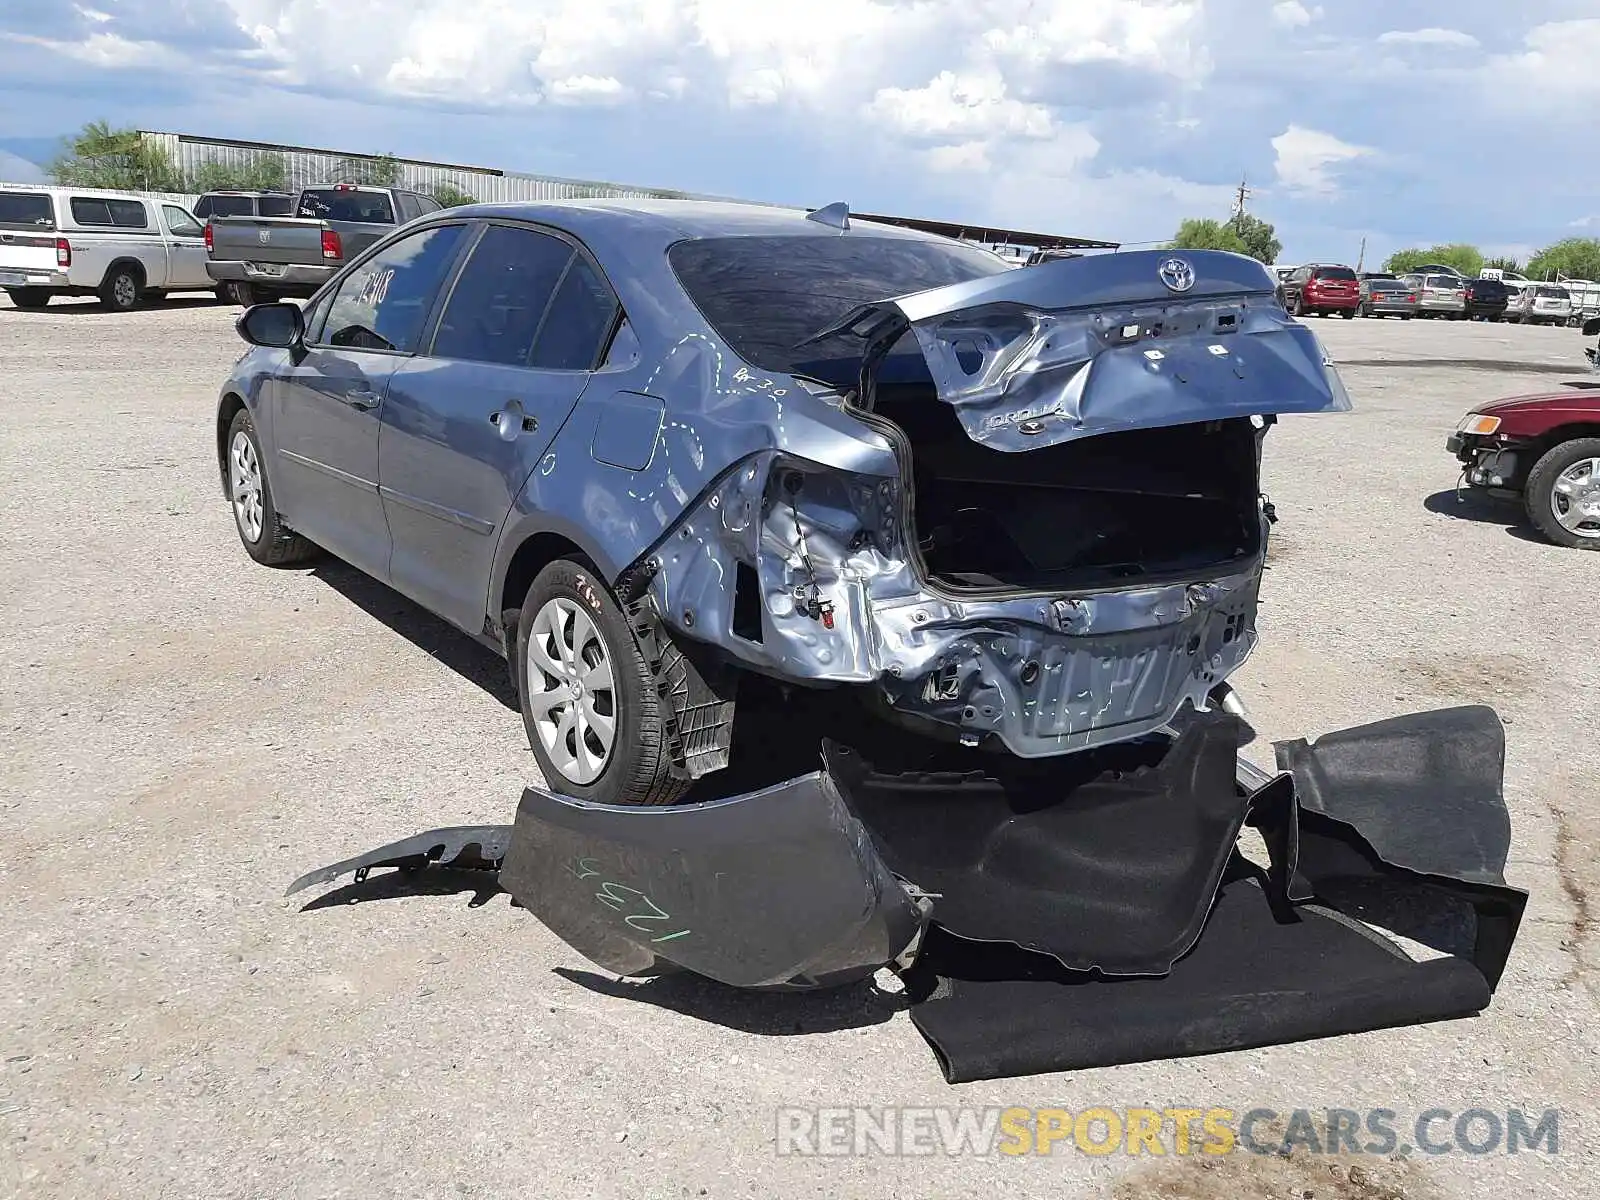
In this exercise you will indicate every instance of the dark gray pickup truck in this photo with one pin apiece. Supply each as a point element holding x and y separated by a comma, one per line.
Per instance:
<point>269,258</point>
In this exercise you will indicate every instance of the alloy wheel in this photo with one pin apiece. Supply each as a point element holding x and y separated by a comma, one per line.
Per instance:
<point>244,481</point>
<point>571,690</point>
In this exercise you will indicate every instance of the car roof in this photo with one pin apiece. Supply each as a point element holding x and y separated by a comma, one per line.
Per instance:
<point>664,221</point>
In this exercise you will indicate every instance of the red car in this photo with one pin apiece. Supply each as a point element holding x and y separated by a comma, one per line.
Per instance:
<point>1321,288</point>
<point>1543,449</point>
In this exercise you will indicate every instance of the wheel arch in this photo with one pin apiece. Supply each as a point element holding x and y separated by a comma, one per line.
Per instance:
<point>139,269</point>
<point>526,548</point>
<point>1570,432</point>
<point>230,406</point>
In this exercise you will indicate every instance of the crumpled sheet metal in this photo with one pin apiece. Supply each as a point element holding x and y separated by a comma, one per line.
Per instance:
<point>1077,347</point>
<point>1044,676</point>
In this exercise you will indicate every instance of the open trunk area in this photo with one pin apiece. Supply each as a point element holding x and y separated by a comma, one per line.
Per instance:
<point>1098,511</point>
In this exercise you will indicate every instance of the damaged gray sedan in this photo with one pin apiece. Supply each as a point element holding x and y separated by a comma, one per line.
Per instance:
<point>871,606</point>
<point>648,450</point>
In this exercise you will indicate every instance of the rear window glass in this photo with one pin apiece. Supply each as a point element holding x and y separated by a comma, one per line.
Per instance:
<point>230,206</point>
<point>1385,285</point>
<point>277,206</point>
<point>330,204</point>
<point>123,214</point>
<point>25,210</point>
<point>1554,293</point>
<point>1335,273</point>
<point>766,295</point>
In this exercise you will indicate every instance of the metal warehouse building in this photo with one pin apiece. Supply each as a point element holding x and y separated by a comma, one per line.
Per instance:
<point>305,167</point>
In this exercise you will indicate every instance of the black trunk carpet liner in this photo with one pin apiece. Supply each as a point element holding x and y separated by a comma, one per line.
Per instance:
<point>1413,804</point>
<point>1255,978</point>
<point>1113,873</point>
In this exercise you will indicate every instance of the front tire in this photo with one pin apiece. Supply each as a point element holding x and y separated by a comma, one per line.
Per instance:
<point>595,720</point>
<point>1562,495</point>
<point>255,517</point>
<point>32,298</point>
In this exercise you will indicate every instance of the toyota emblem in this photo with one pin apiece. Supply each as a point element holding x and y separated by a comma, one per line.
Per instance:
<point>265,236</point>
<point>1177,274</point>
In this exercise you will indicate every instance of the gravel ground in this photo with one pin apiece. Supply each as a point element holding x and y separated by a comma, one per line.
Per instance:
<point>184,733</point>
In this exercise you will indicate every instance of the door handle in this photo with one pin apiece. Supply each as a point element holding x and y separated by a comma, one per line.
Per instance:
<point>361,397</point>
<point>506,421</point>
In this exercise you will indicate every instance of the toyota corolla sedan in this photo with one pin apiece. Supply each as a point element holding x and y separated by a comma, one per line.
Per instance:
<point>646,449</point>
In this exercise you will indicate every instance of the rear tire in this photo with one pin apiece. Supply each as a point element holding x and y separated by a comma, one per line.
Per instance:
<point>1348,314</point>
<point>1539,495</point>
<point>255,517</point>
<point>121,287</point>
<point>595,720</point>
<point>32,298</point>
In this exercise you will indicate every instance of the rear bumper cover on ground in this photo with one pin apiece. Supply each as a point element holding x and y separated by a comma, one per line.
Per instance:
<point>1082,912</point>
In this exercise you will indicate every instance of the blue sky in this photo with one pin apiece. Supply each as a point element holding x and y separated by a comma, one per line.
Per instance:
<point>1410,121</point>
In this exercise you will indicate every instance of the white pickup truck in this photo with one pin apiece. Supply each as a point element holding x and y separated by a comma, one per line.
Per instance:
<point>125,248</point>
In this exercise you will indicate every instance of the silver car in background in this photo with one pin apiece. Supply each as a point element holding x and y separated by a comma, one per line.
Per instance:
<point>1439,295</point>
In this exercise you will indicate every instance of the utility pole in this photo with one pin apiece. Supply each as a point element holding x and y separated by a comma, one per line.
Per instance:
<point>1239,198</point>
<point>1362,257</point>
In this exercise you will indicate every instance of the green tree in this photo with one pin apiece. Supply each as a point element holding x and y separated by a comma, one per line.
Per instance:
<point>451,196</point>
<point>1259,237</point>
<point>263,173</point>
<point>1203,233</point>
<point>1575,258</point>
<point>1502,262</point>
<point>102,157</point>
<point>1464,258</point>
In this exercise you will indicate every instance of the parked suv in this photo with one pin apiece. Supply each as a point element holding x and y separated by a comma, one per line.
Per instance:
<point>244,204</point>
<point>1321,288</point>
<point>1440,295</point>
<point>124,248</point>
<point>1485,299</point>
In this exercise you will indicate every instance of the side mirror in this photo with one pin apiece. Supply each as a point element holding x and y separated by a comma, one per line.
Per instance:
<point>278,325</point>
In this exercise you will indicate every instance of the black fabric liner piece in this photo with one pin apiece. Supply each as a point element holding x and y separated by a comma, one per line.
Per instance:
<point>1115,873</point>
<point>1255,978</point>
<point>1269,968</point>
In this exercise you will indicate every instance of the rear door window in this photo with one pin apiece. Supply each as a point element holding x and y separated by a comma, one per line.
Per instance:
<point>119,214</point>
<point>26,210</point>
<point>499,300</point>
<point>383,303</point>
<point>408,206</point>
<point>580,317</point>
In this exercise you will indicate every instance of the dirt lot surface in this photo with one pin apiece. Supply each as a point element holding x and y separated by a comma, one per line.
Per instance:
<point>184,733</point>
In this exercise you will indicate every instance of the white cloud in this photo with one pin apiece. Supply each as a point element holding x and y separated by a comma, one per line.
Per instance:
<point>1555,70</point>
<point>1428,37</point>
<point>1307,159</point>
<point>1292,14</point>
<point>961,106</point>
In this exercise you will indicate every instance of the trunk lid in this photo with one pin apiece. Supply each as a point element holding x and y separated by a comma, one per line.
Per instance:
<point>1086,346</point>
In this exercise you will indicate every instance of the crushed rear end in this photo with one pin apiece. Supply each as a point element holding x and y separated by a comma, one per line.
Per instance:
<point>1058,544</point>
<point>1053,545</point>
